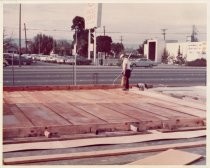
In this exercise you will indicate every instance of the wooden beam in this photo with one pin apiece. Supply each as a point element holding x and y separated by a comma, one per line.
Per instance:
<point>101,141</point>
<point>90,154</point>
<point>169,157</point>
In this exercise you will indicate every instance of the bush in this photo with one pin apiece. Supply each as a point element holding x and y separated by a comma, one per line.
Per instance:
<point>198,62</point>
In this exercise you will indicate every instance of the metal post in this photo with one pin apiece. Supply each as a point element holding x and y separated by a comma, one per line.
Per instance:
<point>75,59</point>
<point>89,43</point>
<point>13,76</point>
<point>94,46</point>
<point>25,38</point>
<point>20,36</point>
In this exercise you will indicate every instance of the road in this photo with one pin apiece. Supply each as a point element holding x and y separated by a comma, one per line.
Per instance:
<point>55,74</point>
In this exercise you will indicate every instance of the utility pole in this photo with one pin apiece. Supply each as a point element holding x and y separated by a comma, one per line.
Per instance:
<point>121,39</point>
<point>194,33</point>
<point>104,30</point>
<point>20,35</point>
<point>164,33</point>
<point>25,38</point>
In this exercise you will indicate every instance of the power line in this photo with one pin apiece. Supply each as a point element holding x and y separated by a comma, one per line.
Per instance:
<point>102,32</point>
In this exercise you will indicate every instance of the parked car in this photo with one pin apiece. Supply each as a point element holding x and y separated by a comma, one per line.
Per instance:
<point>15,59</point>
<point>60,59</point>
<point>83,61</point>
<point>43,58</point>
<point>143,62</point>
<point>51,59</point>
<point>69,60</point>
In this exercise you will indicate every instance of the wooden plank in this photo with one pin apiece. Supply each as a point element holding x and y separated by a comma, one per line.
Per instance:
<point>170,99</point>
<point>133,112</point>
<point>59,130</point>
<point>25,122</point>
<point>16,118</point>
<point>42,116</point>
<point>100,141</point>
<point>105,114</point>
<point>182,109</point>
<point>10,121</point>
<point>73,114</point>
<point>59,96</point>
<point>14,94</point>
<point>93,154</point>
<point>69,96</point>
<point>42,98</point>
<point>115,97</point>
<point>6,109</point>
<point>171,114</point>
<point>29,96</point>
<point>14,100</point>
<point>169,157</point>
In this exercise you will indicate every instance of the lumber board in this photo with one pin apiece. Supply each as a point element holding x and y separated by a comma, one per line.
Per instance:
<point>170,99</point>
<point>41,97</point>
<point>13,94</point>
<point>69,96</point>
<point>104,113</point>
<point>159,110</point>
<point>60,96</point>
<point>42,116</point>
<point>25,122</point>
<point>100,141</point>
<point>89,154</point>
<point>183,109</point>
<point>14,100</point>
<point>10,121</point>
<point>6,109</point>
<point>169,157</point>
<point>134,112</point>
<point>73,114</point>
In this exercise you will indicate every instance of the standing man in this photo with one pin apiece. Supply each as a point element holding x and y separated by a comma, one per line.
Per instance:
<point>126,71</point>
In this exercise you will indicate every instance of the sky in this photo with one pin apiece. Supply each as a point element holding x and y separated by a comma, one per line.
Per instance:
<point>131,22</point>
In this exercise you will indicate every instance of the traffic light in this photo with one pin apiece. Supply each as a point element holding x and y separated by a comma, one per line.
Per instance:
<point>91,35</point>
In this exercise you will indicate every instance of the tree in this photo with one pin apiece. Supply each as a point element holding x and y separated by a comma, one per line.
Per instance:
<point>117,48</point>
<point>62,47</point>
<point>41,44</point>
<point>165,56</point>
<point>141,47</point>
<point>81,35</point>
<point>180,59</point>
<point>103,44</point>
<point>8,43</point>
<point>78,24</point>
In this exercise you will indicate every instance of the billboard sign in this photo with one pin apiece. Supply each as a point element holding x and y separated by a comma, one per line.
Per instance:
<point>92,15</point>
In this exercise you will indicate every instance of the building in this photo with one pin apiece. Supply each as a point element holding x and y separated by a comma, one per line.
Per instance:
<point>191,50</point>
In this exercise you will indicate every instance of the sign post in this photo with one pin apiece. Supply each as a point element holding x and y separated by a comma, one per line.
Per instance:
<point>93,14</point>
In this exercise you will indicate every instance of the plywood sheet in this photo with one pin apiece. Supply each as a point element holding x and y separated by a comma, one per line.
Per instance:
<point>104,113</point>
<point>169,157</point>
<point>73,114</point>
<point>99,141</point>
<point>43,116</point>
<point>11,121</point>
<point>89,154</point>
<point>166,98</point>
<point>183,109</point>
<point>134,112</point>
<point>171,114</point>
<point>25,122</point>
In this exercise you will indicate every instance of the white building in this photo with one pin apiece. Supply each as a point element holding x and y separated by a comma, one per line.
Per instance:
<point>191,50</point>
